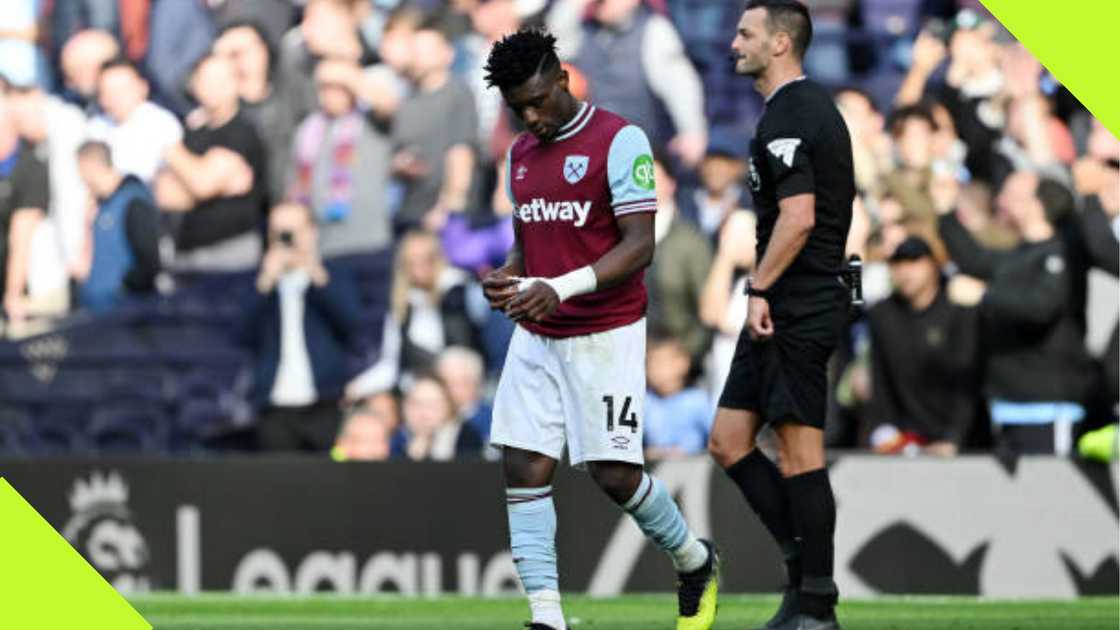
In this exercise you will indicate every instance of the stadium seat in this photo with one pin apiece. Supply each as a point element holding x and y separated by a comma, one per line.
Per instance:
<point>13,426</point>
<point>128,428</point>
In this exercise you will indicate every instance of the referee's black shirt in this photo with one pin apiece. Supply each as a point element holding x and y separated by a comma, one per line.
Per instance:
<point>802,146</point>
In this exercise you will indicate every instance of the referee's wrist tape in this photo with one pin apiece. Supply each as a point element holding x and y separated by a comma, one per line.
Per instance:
<point>569,285</point>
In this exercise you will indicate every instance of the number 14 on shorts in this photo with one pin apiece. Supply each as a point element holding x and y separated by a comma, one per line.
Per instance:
<point>626,417</point>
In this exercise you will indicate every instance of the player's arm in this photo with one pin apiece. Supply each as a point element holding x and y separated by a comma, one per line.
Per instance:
<point>796,217</point>
<point>500,285</point>
<point>788,156</point>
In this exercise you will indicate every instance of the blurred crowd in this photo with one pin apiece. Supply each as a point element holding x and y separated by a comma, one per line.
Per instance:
<point>344,159</point>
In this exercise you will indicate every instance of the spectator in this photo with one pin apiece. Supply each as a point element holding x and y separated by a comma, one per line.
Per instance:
<point>431,431</point>
<point>263,101</point>
<point>57,128</point>
<point>721,191</point>
<point>365,436</point>
<point>971,88</point>
<point>137,131</point>
<point>436,161</point>
<point>82,59</point>
<point>723,303</point>
<point>461,369</point>
<point>1036,370</point>
<point>329,30</point>
<point>122,256</point>
<point>912,129</point>
<point>19,56</point>
<point>872,152</point>
<point>606,47</point>
<point>181,34</point>
<point>491,20</point>
<point>299,323</point>
<point>677,417</point>
<point>432,307</point>
<point>217,177</point>
<point>924,354</point>
<point>341,168</point>
<point>24,200</point>
<point>678,271</point>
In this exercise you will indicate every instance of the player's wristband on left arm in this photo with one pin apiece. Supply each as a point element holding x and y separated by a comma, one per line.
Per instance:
<point>573,283</point>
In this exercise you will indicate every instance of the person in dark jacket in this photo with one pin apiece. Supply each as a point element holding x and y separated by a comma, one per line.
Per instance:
<point>300,322</point>
<point>124,242</point>
<point>923,360</point>
<point>1037,366</point>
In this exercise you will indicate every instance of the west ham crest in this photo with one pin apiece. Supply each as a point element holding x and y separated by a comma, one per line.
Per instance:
<point>575,167</point>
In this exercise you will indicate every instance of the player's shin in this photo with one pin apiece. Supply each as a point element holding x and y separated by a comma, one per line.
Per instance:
<point>814,518</point>
<point>532,529</point>
<point>659,518</point>
<point>762,485</point>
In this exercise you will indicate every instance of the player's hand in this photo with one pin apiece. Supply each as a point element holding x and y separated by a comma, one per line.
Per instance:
<point>534,303</point>
<point>499,287</point>
<point>758,319</point>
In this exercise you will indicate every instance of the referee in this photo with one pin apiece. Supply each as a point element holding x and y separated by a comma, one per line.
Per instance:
<point>803,186</point>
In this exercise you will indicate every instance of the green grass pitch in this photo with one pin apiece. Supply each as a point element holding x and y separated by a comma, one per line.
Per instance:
<point>642,612</point>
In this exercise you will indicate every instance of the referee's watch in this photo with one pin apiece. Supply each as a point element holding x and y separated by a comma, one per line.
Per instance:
<point>754,291</point>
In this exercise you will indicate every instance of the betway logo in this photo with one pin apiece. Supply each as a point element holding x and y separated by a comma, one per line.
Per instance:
<point>541,210</point>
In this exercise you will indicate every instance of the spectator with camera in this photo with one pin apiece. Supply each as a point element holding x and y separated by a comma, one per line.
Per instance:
<point>217,177</point>
<point>299,322</point>
<point>121,257</point>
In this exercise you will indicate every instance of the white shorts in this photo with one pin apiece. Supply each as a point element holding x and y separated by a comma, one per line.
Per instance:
<point>588,392</point>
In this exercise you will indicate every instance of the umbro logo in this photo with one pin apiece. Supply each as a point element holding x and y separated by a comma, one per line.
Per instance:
<point>784,149</point>
<point>521,171</point>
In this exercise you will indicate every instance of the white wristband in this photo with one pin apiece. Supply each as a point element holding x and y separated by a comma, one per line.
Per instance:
<point>569,285</point>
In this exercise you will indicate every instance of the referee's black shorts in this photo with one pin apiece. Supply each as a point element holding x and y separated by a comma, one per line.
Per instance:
<point>785,378</point>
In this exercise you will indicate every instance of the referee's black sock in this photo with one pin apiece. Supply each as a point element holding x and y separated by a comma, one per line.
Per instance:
<point>761,483</point>
<point>814,523</point>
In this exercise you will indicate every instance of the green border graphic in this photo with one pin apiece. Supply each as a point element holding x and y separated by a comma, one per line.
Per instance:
<point>45,584</point>
<point>1077,42</point>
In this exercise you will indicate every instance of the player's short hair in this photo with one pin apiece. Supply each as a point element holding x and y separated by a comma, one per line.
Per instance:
<point>1056,199</point>
<point>96,149</point>
<point>788,16</point>
<point>900,116</point>
<point>121,61</point>
<point>521,56</point>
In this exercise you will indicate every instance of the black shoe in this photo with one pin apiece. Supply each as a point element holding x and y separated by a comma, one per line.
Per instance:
<point>786,611</point>
<point>537,626</point>
<point>805,622</point>
<point>691,588</point>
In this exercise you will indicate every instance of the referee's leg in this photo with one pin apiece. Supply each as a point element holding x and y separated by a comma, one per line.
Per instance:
<point>733,446</point>
<point>813,511</point>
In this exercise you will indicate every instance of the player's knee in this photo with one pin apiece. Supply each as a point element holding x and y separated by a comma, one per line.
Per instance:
<point>794,461</point>
<point>727,451</point>
<point>618,481</point>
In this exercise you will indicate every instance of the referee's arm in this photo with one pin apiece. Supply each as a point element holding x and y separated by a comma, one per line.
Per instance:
<point>796,216</point>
